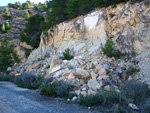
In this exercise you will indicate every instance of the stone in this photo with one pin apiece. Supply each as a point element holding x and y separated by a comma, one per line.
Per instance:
<point>104,77</point>
<point>93,84</point>
<point>106,66</point>
<point>81,74</point>
<point>65,61</point>
<point>55,69</point>
<point>99,78</point>
<point>17,74</point>
<point>99,67</point>
<point>102,72</point>
<point>9,69</point>
<point>83,93</point>
<point>53,63</point>
<point>71,76</point>
<point>68,100</point>
<point>93,75</point>
<point>133,106</point>
<point>84,89</point>
<point>73,63</point>
<point>78,92</point>
<point>107,87</point>
<point>82,82</point>
<point>74,98</point>
<point>58,74</point>
<point>74,83</point>
<point>91,92</point>
<point>36,65</point>
<point>67,73</point>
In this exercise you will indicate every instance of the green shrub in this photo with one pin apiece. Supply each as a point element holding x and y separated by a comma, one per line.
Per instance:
<point>118,54</point>
<point>6,13</point>
<point>7,26</point>
<point>54,89</point>
<point>18,81</point>
<point>3,29</point>
<point>37,82</point>
<point>6,78</point>
<point>136,91</point>
<point>26,15</point>
<point>8,55</point>
<point>131,70</point>
<point>117,109</point>
<point>28,80</point>
<point>103,97</point>
<point>31,34</point>
<point>66,54</point>
<point>25,5</point>
<point>108,48</point>
<point>16,5</point>
<point>36,6</point>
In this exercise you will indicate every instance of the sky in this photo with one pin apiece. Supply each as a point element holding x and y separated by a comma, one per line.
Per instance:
<point>5,2</point>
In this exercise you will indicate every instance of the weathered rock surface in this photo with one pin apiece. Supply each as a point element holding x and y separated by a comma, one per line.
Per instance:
<point>91,70</point>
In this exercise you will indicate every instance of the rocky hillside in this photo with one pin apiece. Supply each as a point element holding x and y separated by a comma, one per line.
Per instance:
<point>16,21</point>
<point>127,25</point>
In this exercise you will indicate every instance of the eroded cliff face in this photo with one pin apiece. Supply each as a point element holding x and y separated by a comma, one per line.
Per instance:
<point>128,23</point>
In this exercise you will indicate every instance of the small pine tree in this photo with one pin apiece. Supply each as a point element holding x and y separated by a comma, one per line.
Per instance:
<point>7,26</point>
<point>26,15</point>
<point>108,48</point>
<point>3,29</point>
<point>66,54</point>
<point>6,12</point>
<point>8,55</point>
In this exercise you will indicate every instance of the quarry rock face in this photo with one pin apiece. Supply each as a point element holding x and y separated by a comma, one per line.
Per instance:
<point>128,26</point>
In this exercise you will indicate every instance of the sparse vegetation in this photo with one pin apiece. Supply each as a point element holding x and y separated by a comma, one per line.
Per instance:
<point>66,54</point>
<point>6,13</point>
<point>117,109</point>
<point>7,26</point>
<point>102,97</point>
<point>8,55</point>
<point>3,29</point>
<point>6,78</point>
<point>109,50</point>
<point>16,5</point>
<point>131,92</point>
<point>67,9</point>
<point>54,89</point>
<point>31,34</point>
<point>131,70</point>
<point>26,15</point>
<point>26,5</point>
<point>136,91</point>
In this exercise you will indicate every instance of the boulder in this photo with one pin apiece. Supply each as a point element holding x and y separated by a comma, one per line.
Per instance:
<point>68,74</point>
<point>59,73</point>
<point>102,72</point>
<point>93,84</point>
<point>9,69</point>
<point>55,69</point>
<point>133,106</point>
<point>93,75</point>
<point>54,62</point>
<point>91,92</point>
<point>107,87</point>
<point>81,74</point>
<point>84,93</point>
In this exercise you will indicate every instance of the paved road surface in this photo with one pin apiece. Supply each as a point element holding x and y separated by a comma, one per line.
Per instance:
<point>21,100</point>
